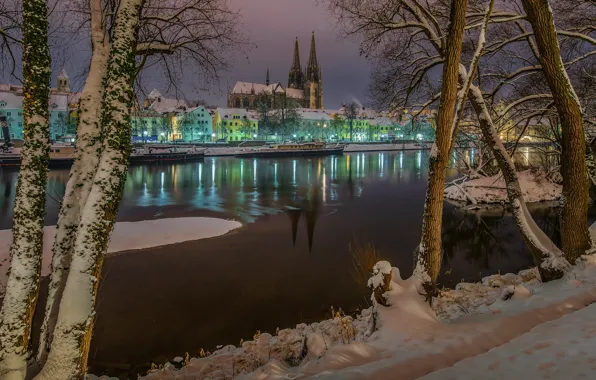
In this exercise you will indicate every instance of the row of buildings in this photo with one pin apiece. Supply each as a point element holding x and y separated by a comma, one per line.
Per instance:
<point>254,110</point>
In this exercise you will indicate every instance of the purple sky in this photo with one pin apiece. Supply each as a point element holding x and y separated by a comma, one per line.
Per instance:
<point>273,26</point>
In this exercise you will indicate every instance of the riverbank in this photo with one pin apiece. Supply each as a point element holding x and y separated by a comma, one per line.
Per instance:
<point>546,324</point>
<point>536,186</point>
<point>129,236</point>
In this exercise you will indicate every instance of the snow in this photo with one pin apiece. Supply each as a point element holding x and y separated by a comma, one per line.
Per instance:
<point>505,326</point>
<point>560,349</point>
<point>382,147</point>
<point>535,186</point>
<point>131,236</point>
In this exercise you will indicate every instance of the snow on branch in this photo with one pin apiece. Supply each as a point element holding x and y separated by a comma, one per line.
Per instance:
<point>463,94</point>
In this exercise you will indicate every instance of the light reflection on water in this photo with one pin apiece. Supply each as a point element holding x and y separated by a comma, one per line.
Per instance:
<point>244,188</point>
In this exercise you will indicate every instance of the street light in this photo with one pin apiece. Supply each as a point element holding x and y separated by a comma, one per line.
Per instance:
<point>145,133</point>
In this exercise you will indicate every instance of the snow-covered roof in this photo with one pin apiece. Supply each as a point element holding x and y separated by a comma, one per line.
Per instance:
<point>15,101</point>
<point>154,94</point>
<point>11,99</point>
<point>59,102</point>
<point>295,93</point>
<point>381,121</point>
<point>63,74</point>
<point>190,110</point>
<point>225,113</point>
<point>277,87</point>
<point>165,105</point>
<point>5,87</point>
<point>309,114</point>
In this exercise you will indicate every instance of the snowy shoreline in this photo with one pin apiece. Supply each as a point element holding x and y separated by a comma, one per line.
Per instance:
<point>129,236</point>
<point>412,339</point>
<point>535,186</point>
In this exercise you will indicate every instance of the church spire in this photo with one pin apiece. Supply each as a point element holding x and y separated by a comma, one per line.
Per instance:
<point>296,61</point>
<point>267,81</point>
<point>312,70</point>
<point>296,77</point>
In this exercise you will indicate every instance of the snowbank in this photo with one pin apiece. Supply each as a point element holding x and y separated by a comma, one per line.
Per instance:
<point>413,340</point>
<point>535,186</point>
<point>131,235</point>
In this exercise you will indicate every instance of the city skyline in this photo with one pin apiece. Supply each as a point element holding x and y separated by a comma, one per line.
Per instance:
<point>270,46</point>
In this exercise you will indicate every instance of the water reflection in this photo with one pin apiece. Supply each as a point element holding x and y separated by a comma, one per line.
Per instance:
<point>239,188</point>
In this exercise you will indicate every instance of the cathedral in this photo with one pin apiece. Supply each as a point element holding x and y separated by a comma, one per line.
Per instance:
<point>304,87</point>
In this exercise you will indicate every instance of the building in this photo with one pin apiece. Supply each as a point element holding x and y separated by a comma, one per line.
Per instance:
<point>305,88</point>
<point>161,119</point>
<point>11,109</point>
<point>195,124</point>
<point>235,124</point>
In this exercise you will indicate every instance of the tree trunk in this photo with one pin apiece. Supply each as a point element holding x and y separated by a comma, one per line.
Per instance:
<point>574,228</point>
<point>70,344</point>
<point>27,246</point>
<point>81,175</point>
<point>429,253</point>
<point>548,258</point>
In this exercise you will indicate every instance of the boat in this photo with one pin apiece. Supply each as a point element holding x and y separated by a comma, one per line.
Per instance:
<point>166,153</point>
<point>63,155</point>
<point>293,149</point>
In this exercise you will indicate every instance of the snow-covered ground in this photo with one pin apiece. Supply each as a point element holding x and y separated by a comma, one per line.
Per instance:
<point>510,324</point>
<point>131,235</point>
<point>535,186</point>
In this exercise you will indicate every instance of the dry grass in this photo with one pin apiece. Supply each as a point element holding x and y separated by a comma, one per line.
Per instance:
<point>364,258</point>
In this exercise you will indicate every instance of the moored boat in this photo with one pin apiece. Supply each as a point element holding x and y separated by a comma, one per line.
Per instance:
<point>63,155</point>
<point>293,149</point>
<point>166,153</point>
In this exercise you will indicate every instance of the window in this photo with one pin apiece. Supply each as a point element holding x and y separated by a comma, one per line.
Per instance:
<point>20,114</point>
<point>2,104</point>
<point>20,124</point>
<point>8,113</point>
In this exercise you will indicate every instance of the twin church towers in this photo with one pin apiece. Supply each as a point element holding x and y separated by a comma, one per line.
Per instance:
<point>304,86</point>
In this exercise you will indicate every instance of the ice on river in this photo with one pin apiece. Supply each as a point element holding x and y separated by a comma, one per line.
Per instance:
<point>130,236</point>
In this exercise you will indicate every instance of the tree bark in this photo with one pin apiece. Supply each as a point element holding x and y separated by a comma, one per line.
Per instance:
<point>428,255</point>
<point>548,258</point>
<point>28,217</point>
<point>575,236</point>
<point>81,175</point>
<point>70,344</point>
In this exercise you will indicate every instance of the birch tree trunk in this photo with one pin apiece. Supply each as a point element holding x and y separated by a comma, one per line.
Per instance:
<point>26,248</point>
<point>574,228</point>
<point>79,184</point>
<point>548,258</point>
<point>69,349</point>
<point>428,255</point>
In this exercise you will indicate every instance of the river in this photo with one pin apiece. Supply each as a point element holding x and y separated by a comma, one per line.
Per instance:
<point>290,262</point>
